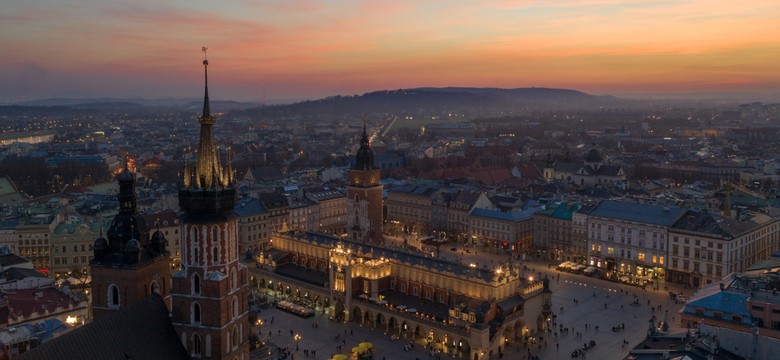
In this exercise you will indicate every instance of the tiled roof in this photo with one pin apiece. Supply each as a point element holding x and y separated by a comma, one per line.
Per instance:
<point>140,331</point>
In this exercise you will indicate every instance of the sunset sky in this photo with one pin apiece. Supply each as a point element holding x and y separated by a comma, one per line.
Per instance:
<point>301,49</point>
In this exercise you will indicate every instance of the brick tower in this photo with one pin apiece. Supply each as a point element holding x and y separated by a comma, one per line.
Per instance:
<point>364,195</point>
<point>129,265</point>
<point>209,294</point>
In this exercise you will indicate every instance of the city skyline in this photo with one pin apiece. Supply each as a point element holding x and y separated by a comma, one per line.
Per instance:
<point>276,51</point>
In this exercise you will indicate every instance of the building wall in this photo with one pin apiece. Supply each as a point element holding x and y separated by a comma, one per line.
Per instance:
<point>134,283</point>
<point>700,259</point>
<point>626,244</point>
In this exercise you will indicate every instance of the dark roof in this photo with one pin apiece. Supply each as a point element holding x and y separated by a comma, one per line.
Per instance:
<point>703,222</point>
<point>266,173</point>
<point>567,167</point>
<point>249,207</point>
<point>511,302</point>
<point>273,200</point>
<point>140,331</point>
<point>11,260</point>
<point>593,156</point>
<point>311,276</point>
<point>438,310</point>
<point>651,214</point>
<point>21,273</point>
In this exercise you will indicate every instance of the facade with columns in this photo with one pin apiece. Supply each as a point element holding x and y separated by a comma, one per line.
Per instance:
<point>465,312</point>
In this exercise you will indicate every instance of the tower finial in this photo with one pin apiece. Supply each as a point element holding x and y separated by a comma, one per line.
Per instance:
<point>206,106</point>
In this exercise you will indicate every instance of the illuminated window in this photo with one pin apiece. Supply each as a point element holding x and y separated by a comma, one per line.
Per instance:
<point>661,260</point>
<point>655,259</point>
<point>641,256</point>
<point>610,251</point>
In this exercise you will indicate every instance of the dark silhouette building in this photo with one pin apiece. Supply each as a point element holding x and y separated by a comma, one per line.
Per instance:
<point>128,265</point>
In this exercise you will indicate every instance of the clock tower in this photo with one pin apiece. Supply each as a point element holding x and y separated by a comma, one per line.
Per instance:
<point>364,195</point>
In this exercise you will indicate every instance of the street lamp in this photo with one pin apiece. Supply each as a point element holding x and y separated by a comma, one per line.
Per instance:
<point>297,339</point>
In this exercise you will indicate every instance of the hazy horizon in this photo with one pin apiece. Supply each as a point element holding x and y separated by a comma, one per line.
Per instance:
<point>274,51</point>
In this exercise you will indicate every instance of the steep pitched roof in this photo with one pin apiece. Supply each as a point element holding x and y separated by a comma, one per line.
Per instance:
<point>140,331</point>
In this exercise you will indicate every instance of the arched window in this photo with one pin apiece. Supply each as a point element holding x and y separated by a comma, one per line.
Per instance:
<point>196,345</point>
<point>233,278</point>
<point>235,307</point>
<point>235,337</point>
<point>113,296</point>
<point>155,288</point>
<point>195,313</point>
<point>214,255</point>
<point>196,283</point>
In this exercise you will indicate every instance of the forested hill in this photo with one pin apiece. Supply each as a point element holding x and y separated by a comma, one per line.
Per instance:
<point>461,100</point>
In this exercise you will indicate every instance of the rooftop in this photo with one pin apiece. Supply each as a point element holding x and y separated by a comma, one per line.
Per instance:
<point>651,214</point>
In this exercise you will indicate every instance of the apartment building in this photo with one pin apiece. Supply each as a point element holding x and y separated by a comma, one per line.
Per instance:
<point>409,209</point>
<point>553,232</point>
<point>630,239</point>
<point>704,247</point>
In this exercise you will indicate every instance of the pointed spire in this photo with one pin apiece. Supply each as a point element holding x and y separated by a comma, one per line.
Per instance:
<point>364,143</point>
<point>206,106</point>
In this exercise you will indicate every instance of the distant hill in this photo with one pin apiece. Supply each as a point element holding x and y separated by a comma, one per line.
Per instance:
<point>462,100</point>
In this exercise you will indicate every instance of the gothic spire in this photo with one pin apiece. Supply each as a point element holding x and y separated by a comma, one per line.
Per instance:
<point>206,105</point>
<point>208,186</point>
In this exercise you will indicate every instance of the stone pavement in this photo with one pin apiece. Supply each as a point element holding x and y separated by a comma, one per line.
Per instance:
<point>602,304</point>
<point>322,339</point>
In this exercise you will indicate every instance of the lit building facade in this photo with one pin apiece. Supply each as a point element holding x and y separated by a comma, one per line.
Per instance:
<point>629,238</point>
<point>463,311</point>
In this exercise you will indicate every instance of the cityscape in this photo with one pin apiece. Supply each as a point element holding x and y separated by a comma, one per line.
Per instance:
<point>390,180</point>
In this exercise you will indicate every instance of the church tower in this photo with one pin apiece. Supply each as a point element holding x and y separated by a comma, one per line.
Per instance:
<point>129,265</point>
<point>209,294</point>
<point>364,195</point>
